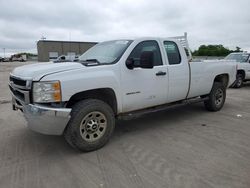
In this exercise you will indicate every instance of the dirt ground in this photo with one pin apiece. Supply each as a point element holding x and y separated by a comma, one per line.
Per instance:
<point>182,147</point>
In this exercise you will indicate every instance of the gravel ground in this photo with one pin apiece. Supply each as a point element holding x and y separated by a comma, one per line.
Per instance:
<point>182,147</point>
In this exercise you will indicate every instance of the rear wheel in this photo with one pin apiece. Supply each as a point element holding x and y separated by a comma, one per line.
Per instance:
<point>217,97</point>
<point>239,81</point>
<point>91,125</point>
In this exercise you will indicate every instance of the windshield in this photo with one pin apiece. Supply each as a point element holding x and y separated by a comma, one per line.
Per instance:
<point>106,52</point>
<point>238,57</point>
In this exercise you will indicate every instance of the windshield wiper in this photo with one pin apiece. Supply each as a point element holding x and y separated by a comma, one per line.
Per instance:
<point>93,60</point>
<point>89,62</point>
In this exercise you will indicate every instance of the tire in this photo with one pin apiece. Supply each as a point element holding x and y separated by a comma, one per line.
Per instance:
<point>217,98</point>
<point>239,81</point>
<point>91,125</point>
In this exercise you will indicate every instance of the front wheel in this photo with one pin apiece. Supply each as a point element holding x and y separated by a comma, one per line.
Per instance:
<point>91,125</point>
<point>217,97</point>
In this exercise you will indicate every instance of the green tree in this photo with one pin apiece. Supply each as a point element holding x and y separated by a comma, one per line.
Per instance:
<point>214,50</point>
<point>238,49</point>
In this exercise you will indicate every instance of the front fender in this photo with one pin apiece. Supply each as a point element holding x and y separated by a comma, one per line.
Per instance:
<point>89,78</point>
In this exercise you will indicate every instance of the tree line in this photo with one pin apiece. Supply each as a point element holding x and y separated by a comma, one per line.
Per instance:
<point>214,50</point>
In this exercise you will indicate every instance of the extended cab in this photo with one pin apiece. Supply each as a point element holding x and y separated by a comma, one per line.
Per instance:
<point>114,79</point>
<point>242,60</point>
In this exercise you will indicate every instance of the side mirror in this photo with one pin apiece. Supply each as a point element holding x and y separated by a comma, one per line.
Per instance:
<point>130,63</point>
<point>147,60</point>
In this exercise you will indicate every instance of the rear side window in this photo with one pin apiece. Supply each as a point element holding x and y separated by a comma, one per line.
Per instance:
<point>173,53</point>
<point>150,45</point>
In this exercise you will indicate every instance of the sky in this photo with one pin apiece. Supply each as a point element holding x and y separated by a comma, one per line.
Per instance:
<point>23,23</point>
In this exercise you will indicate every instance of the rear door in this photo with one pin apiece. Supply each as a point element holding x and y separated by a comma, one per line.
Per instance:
<point>178,71</point>
<point>143,88</point>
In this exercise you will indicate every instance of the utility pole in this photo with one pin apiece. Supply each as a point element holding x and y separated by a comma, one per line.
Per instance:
<point>69,44</point>
<point>3,52</point>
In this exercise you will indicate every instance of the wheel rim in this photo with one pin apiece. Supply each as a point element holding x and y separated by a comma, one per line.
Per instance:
<point>239,81</point>
<point>93,126</point>
<point>219,95</point>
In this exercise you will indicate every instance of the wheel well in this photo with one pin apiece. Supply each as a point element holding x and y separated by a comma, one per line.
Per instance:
<point>222,78</point>
<point>242,72</point>
<point>105,94</point>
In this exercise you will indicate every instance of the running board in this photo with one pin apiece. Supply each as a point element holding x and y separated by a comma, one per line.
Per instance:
<point>138,113</point>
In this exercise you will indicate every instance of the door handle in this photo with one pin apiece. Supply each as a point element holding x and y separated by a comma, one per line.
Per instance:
<point>160,73</point>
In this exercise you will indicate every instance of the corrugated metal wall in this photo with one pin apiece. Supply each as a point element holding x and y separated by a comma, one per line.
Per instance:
<point>44,47</point>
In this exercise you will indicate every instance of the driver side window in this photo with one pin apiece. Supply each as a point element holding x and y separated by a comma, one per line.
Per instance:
<point>150,45</point>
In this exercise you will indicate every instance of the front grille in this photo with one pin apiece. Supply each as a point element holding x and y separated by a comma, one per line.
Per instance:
<point>20,89</point>
<point>18,94</point>
<point>17,81</point>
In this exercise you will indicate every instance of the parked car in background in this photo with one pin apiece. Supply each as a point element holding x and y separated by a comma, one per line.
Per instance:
<point>6,59</point>
<point>19,57</point>
<point>242,59</point>
<point>66,58</point>
<point>1,59</point>
<point>115,79</point>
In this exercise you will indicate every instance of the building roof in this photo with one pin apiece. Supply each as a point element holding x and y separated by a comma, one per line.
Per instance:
<point>67,41</point>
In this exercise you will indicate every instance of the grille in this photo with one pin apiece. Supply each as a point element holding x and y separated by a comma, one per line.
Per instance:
<point>20,89</point>
<point>18,94</point>
<point>17,81</point>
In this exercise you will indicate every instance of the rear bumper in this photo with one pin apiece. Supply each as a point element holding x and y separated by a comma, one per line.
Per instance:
<point>45,120</point>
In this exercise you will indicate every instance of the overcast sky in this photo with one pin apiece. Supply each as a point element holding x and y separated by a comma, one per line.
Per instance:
<point>22,23</point>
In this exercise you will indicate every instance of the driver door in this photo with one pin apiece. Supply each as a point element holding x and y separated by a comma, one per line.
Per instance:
<point>142,88</point>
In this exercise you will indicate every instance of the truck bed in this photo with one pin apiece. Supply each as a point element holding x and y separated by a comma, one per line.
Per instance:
<point>203,74</point>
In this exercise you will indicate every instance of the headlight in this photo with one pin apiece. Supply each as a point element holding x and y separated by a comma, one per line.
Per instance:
<point>44,92</point>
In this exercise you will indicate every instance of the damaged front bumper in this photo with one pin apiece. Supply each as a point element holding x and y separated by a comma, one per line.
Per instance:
<point>42,119</point>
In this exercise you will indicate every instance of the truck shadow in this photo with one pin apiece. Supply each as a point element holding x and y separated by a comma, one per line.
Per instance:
<point>247,84</point>
<point>171,118</point>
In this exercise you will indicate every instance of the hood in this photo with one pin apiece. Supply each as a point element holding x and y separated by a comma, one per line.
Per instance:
<point>38,70</point>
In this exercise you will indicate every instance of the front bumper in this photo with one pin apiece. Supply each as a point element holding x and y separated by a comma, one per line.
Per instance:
<point>42,119</point>
<point>45,120</point>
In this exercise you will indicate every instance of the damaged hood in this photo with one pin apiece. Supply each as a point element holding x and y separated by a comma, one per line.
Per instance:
<point>38,70</point>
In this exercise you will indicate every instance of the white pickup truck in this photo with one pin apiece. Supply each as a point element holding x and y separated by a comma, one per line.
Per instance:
<point>242,60</point>
<point>114,79</point>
